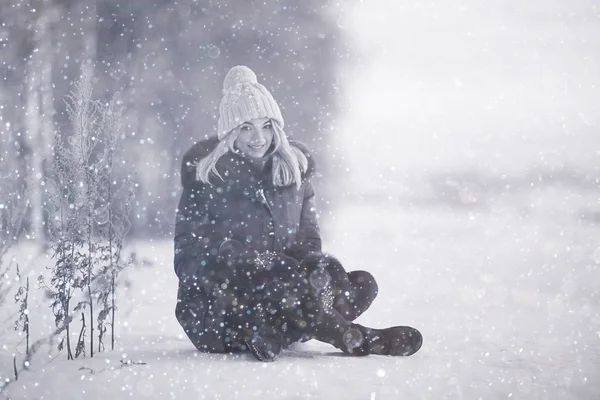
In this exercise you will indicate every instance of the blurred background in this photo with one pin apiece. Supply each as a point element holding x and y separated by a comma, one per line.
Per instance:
<point>426,102</point>
<point>167,59</point>
<point>486,90</point>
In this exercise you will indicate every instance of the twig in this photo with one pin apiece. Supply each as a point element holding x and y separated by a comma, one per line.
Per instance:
<point>15,367</point>
<point>92,371</point>
<point>53,358</point>
<point>129,363</point>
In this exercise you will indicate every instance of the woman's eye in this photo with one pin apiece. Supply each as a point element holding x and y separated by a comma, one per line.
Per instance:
<point>267,126</point>
<point>245,128</point>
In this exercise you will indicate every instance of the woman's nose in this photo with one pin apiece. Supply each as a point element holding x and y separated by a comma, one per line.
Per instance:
<point>257,135</point>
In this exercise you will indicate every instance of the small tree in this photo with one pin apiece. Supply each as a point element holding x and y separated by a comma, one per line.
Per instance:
<point>22,297</point>
<point>70,188</point>
<point>92,211</point>
<point>85,143</point>
<point>65,231</point>
<point>112,216</point>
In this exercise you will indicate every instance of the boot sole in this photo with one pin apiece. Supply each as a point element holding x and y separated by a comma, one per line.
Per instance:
<point>406,341</point>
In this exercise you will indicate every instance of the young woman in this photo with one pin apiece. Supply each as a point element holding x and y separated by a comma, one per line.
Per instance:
<point>248,246</point>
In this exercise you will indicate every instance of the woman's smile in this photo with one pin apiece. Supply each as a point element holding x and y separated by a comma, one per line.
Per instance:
<point>256,146</point>
<point>255,137</point>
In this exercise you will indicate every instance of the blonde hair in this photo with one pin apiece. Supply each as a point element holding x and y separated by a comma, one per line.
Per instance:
<point>289,162</point>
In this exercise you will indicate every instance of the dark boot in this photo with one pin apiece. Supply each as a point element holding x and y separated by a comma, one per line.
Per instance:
<point>394,341</point>
<point>265,344</point>
<point>331,327</point>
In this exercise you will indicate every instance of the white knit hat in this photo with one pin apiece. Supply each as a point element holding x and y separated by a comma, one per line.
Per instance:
<point>244,99</point>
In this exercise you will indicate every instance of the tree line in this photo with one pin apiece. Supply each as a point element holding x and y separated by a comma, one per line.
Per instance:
<point>167,59</point>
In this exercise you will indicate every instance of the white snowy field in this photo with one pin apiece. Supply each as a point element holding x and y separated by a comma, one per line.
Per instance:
<point>508,303</point>
<point>505,286</point>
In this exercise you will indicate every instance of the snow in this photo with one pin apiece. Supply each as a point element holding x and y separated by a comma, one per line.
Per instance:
<point>508,306</point>
<point>504,285</point>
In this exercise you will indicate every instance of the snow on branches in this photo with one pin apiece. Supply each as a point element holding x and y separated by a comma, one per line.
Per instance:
<point>90,209</point>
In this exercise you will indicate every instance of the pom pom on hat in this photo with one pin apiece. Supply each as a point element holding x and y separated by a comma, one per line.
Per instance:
<point>238,74</point>
<point>244,99</point>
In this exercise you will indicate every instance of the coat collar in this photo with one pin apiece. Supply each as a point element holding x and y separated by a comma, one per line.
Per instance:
<point>238,171</point>
<point>234,168</point>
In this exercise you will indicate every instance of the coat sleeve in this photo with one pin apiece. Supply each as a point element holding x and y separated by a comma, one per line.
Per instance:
<point>197,236</point>
<point>196,240</point>
<point>308,238</point>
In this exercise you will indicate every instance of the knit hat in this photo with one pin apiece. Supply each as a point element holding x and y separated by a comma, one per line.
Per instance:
<point>244,99</point>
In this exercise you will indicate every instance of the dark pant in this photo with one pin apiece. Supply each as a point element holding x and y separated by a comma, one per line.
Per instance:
<point>315,299</point>
<point>353,291</point>
<point>201,315</point>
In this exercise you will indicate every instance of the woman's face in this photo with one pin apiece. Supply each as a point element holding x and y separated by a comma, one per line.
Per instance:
<point>255,137</point>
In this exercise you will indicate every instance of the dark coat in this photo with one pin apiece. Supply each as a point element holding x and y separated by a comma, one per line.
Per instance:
<point>244,206</point>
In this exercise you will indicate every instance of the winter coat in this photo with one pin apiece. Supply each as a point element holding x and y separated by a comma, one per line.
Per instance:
<point>245,206</point>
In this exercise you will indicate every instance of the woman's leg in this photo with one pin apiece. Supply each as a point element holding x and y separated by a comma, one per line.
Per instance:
<point>318,320</point>
<point>198,315</point>
<point>306,306</point>
<point>353,292</point>
<point>283,300</point>
<point>365,291</point>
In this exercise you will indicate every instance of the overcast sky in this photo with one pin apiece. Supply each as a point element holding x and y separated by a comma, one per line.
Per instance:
<point>498,84</point>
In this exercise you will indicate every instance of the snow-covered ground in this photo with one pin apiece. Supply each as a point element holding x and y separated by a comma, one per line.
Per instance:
<point>508,303</point>
<point>506,294</point>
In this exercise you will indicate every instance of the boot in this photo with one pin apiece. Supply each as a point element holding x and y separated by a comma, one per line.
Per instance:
<point>394,341</point>
<point>265,344</point>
